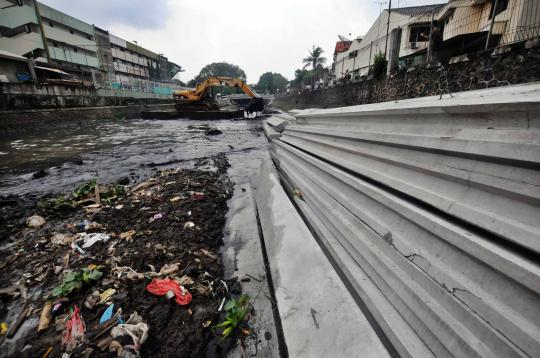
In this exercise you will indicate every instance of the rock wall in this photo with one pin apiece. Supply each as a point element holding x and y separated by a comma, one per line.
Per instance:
<point>40,119</point>
<point>24,96</point>
<point>510,65</point>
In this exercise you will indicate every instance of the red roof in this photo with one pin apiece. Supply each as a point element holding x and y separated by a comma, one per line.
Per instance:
<point>342,46</point>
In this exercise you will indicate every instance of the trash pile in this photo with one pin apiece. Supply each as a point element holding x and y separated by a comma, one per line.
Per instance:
<point>119,271</point>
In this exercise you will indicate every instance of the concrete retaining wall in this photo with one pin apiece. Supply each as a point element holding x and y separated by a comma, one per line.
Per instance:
<point>24,96</point>
<point>429,209</point>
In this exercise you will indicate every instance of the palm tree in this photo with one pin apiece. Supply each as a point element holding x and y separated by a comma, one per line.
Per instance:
<point>315,60</point>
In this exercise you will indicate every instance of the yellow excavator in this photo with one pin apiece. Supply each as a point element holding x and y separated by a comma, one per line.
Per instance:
<point>203,98</point>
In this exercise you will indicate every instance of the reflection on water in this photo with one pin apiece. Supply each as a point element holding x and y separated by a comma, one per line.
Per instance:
<point>112,149</point>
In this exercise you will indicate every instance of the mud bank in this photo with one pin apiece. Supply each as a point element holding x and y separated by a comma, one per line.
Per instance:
<point>172,220</point>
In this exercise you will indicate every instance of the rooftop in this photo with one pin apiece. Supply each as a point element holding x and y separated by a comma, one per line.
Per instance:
<point>418,10</point>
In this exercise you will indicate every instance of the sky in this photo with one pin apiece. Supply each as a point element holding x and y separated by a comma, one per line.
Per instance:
<point>259,36</point>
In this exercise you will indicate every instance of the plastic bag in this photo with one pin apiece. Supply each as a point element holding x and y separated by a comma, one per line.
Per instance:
<point>160,287</point>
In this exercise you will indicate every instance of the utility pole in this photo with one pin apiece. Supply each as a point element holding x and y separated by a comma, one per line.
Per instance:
<point>387,26</point>
<point>430,46</point>
<point>369,63</point>
<point>492,23</point>
<point>381,3</point>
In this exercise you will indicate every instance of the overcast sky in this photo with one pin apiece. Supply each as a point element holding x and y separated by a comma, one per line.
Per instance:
<point>258,36</point>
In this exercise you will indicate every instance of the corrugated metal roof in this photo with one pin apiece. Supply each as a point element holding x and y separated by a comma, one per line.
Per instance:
<point>342,46</point>
<point>418,10</point>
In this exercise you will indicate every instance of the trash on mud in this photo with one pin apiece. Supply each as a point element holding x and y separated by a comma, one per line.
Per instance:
<point>61,239</point>
<point>45,317</point>
<point>106,295</point>
<point>74,333</point>
<point>127,235</point>
<point>197,196</point>
<point>3,328</point>
<point>35,221</point>
<point>107,314</point>
<point>88,240</point>
<point>115,255</point>
<point>129,337</point>
<point>160,287</point>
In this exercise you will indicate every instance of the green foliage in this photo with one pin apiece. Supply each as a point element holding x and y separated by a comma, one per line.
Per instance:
<point>315,58</point>
<point>302,76</point>
<point>271,82</point>
<point>236,313</point>
<point>59,203</point>
<point>378,69</point>
<point>218,69</point>
<point>75,280</point>
<point>108,194</point>
<point>85,189</point>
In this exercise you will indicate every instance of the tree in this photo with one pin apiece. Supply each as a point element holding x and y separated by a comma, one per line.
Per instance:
<point>218,69</point>
<point>378,69</point>
<point>315,60</point>
<point>271,82</point>
<point>301,77</point>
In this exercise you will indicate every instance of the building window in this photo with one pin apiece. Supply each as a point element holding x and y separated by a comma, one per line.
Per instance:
<point>55,44</point>
<point>74,50</point>
<point>419,33</point>
<point>501,6</point>
<point>51,24</point>
<point>71,32</point>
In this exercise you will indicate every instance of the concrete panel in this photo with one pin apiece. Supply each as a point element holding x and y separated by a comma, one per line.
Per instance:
<point>277,123</point>
<point>270,132</point>
<point>318,315</point>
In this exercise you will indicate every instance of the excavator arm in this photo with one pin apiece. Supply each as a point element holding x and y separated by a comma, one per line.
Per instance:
<point>201,89</point>
<point>193,97</point>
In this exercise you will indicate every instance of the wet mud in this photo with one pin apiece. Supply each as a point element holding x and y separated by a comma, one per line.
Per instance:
<point>177,217</point>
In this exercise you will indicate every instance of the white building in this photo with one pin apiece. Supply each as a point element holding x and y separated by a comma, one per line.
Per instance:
<point>412,20</point>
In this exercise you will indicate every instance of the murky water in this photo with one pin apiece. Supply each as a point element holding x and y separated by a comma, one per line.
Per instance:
<point>113,149</point>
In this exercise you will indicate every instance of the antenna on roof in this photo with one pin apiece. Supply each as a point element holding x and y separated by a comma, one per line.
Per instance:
<point>343,38</point>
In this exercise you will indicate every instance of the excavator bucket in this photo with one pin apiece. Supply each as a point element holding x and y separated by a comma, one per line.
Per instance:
<point>256,105</point>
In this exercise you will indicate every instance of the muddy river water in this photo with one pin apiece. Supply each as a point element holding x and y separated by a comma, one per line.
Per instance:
<point>74,152</point>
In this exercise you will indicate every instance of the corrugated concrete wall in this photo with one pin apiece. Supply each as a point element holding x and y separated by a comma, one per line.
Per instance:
<point>430,210</point>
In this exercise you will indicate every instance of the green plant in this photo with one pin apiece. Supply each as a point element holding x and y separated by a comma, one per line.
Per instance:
<point>75,280</point>
<point>58,203</point>
<point>85,189</point>
<point>379,65</point>
<point>236,313</point>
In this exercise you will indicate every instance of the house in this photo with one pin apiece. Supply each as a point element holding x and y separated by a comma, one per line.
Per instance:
<point>412,22</point>
<point>463,25</point>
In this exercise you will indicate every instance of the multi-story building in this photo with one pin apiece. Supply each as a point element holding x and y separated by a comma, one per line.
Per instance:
<point>20,32</point>
<point>70,42</point>
<point>87,52</point>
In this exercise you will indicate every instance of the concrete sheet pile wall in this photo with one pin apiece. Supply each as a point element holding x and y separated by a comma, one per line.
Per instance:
<point>430,210</point>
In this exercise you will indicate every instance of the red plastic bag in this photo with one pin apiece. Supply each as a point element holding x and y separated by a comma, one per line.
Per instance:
<point>160,287</point>
<point>74,333</point>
